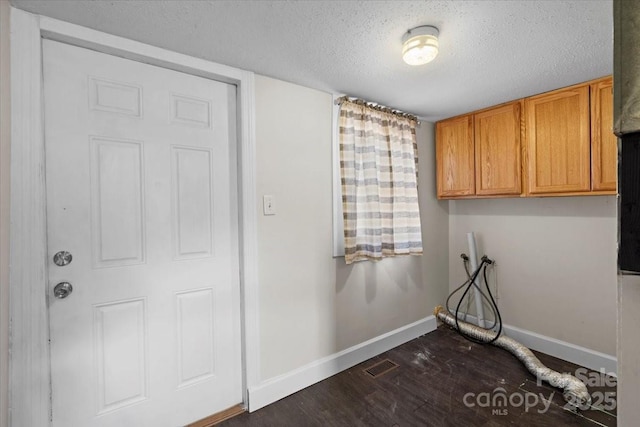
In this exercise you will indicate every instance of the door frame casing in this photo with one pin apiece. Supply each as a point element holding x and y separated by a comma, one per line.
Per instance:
<point>30,370</point>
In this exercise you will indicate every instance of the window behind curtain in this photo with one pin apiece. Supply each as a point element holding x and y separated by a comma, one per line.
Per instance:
<point>378,165</point>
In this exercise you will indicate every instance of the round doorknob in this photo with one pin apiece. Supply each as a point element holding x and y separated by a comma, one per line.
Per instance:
<point>62,290</point>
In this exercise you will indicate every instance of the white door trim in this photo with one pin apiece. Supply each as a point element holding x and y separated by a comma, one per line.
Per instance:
<point>29,379</point>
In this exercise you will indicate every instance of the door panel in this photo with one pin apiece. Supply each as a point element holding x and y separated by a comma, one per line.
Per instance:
<point>497,144</point>
<point>121,356</point>
<point>140,165</point>
<point>604,155</point>
<point>192,202</point>
<point>455,157</point>
<point>558,141</point>
<point>117,202</point>
<point>196,342</point>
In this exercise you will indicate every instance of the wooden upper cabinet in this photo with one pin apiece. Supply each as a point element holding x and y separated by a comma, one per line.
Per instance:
<point>497,150</point>
<point>604,148</point>
<point>455,157</point>
<point>559,143</point>
<point>558,146</point>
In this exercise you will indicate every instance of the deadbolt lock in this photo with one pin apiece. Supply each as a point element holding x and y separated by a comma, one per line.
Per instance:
<point>62,258</point>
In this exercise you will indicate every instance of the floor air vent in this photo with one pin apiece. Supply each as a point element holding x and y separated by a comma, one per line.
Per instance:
<point>381,368</point>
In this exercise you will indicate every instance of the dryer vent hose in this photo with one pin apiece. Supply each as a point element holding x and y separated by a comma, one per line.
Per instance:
<point>574,390</point>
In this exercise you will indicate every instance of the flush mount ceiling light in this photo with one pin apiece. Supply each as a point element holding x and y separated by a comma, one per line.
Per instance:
<point>420,45</point>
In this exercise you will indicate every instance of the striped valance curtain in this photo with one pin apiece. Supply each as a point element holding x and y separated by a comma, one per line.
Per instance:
<point>378,165</point>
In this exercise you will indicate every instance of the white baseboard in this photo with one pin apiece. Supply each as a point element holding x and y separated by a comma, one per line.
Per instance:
<point>284,385</point>
<point>561,349</point>
<point>281,386</point>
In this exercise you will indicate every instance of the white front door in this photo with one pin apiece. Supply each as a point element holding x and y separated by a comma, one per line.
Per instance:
<point>141,192</point>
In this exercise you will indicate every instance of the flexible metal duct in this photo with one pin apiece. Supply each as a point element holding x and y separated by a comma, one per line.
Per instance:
<point>574,390</point>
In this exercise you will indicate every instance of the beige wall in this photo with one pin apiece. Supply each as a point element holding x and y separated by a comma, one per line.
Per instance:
<point>556,263</point>
<point>5,131</point>
<point>312,305</point>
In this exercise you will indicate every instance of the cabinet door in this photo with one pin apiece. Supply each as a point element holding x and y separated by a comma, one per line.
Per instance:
<point>454,157</point>
<point>604,144</point>
<point>497,144</point>
<point>558,141</point>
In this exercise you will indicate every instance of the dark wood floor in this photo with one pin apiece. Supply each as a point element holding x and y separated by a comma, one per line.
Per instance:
<point>435,372</point>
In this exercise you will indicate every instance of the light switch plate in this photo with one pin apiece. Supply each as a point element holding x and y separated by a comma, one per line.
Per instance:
<point>268,204</point>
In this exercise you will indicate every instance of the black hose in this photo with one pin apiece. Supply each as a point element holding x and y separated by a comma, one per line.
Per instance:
<point>471,282</point>
<point>465,259</point>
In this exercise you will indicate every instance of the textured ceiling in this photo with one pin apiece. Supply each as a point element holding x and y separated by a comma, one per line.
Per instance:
<point>490,51</point>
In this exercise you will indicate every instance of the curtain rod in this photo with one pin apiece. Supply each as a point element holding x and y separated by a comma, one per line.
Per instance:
<point>376,106</point>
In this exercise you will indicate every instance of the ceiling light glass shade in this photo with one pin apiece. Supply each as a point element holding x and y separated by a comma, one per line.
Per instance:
<point>420,45</point>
